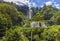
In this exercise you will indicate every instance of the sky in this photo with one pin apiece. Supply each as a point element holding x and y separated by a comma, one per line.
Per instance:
<point>37,3</point>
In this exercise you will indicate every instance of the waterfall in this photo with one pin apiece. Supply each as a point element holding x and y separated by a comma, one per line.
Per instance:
<point>38,24</point>
<point>29,14</point>
<point>35,24</point>
<point>43,25</point>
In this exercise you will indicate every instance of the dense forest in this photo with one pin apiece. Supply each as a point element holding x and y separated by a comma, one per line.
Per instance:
<point>15,26</point>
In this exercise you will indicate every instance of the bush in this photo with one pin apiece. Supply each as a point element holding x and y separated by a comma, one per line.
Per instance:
<point>5,23</point>
<point>12,12</point>
<point>21,34</point>
<point>50,34</point>
<point>9,16</point>
<point>17,33</point>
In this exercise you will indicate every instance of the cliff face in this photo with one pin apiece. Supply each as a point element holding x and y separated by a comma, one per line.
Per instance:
<point>1,0</point>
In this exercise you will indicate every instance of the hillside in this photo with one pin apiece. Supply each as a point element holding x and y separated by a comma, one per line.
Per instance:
<point>15,26</point>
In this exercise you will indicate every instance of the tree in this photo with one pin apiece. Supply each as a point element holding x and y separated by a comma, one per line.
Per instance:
<point>58,20</point>
<point>5,23</point>
<point>9,16</point>
<point>12,12</point>
<point>15,35</point>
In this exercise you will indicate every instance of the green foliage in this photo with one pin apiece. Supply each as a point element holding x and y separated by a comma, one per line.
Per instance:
<point>37,17</point>
<point>36,37</point>
<point>9,16</point>
<point>39,34</point>
<point>21,34</point>
<point>11,21</point>
<point>5,23</point>
<point>58,20</point>
<point>15,35</point>
<point>48,14</point>
<point>50,34</point>
<point>12,12</point>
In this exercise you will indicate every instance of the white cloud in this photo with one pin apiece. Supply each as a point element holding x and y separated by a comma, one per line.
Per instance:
<point>53,3</point>
<point>23,1</point>
<point>30,4</point>
<point>42,6</point>
<point>8,0</point>
<point>57,6</point>
<point>48,3</point>
<point>33,4</point>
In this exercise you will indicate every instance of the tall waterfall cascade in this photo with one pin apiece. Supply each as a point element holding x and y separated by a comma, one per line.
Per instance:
<point>30,11</point>
<point>29,14</point>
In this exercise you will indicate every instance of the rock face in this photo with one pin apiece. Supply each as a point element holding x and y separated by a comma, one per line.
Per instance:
<point>1,0</point>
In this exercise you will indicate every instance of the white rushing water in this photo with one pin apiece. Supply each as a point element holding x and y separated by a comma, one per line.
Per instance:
<point>34,24</point>
<point>29,14</point>
<point>43,25</point>
<point>38,24</point>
